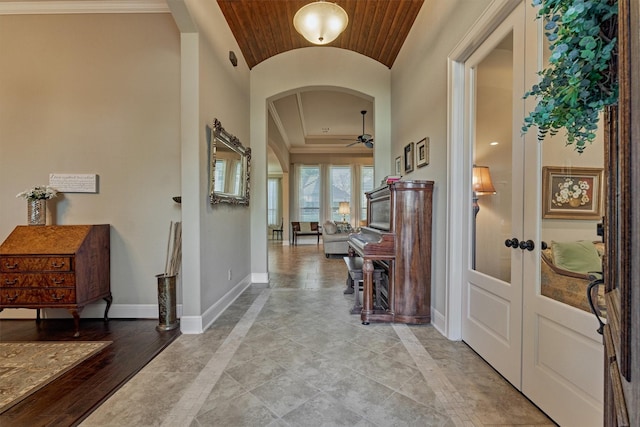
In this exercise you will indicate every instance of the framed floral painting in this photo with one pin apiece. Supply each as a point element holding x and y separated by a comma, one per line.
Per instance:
<point>572,193</point>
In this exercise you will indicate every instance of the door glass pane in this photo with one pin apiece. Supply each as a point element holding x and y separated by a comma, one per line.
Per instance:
<point>492,142</point>
<point>572,202</point>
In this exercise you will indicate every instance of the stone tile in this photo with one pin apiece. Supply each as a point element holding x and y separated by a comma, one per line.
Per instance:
<point>399,410</point>
<point>255,372</point>
<point>358,393</point>
<point>244,410</point>
<point>321,372</point>
<point>322,410</point>
<point>145,400</point>
<point>399,353</point>
<point>284,393</point>
<point>386,371</point>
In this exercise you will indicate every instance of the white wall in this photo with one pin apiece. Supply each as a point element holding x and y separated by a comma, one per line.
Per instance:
<point>96,94</point>
<point>419,109</point>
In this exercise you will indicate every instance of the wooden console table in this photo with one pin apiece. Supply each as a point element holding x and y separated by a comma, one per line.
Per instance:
<point>65,266</point>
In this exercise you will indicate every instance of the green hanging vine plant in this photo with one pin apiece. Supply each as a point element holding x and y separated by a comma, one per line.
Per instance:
<point>581,78</point>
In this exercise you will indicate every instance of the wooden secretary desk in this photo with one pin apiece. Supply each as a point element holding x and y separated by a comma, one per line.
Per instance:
<point>66,266</point>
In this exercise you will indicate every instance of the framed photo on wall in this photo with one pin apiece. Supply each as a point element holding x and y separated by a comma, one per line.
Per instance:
<point>398,165</point>
<point>572,193</point>
<point>408,157</point>
<point>422,152</point>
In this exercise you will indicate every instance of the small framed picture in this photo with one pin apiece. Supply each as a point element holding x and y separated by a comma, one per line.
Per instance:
<point>572,193</point>
<point>408,157</point>
<point>422,152</point>
<point>398,165</point>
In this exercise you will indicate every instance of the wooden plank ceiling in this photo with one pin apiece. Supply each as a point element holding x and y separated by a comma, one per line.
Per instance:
<point>264,28</point>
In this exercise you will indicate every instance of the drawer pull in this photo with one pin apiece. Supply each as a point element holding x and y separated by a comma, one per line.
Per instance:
<point>58,281</point>
<point>11,266</point>
<point>56,297</point>
<point>10,282</point>
<point>56,265</point>
<point>12,298</point>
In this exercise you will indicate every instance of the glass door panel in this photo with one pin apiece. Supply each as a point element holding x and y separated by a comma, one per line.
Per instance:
<point>492,171</point>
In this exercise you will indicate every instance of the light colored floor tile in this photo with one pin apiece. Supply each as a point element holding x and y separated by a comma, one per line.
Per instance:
<point>293,355</point>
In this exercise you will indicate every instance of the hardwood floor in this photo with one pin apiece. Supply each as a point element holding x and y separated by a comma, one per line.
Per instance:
<point>69,399</point>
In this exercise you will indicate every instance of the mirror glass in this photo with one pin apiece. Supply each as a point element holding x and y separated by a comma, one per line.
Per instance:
<point>228,168</point>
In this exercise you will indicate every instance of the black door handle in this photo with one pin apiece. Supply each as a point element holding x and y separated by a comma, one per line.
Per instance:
<point>511,243</point>
<point>528,245</point>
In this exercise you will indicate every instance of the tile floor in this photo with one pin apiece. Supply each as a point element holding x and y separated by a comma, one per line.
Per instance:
<point>292,355</point>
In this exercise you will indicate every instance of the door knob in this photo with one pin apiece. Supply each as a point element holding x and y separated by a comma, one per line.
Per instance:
<point>511,243</point>
<point>528,245</point>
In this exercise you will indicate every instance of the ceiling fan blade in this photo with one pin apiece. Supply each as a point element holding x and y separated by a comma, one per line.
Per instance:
<point>353,143</point>
<point>369,143</point>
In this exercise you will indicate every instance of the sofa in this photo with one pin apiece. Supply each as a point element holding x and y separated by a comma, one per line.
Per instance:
<point>335,238</point>
<point>567,268</point>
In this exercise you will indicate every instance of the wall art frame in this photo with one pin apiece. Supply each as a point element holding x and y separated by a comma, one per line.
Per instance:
<point>408,157</point>
<point>572,193</point>
<point>422,152</point>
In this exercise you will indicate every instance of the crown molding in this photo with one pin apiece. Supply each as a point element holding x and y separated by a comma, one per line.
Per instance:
<point>82,6</point>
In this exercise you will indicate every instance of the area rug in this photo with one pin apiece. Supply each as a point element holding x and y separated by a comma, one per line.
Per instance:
<point>25,367</point>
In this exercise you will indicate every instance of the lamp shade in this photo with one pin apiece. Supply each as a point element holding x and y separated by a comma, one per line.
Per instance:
<point>343,208</point>
<point>320,22</point>
<point>482,181</point>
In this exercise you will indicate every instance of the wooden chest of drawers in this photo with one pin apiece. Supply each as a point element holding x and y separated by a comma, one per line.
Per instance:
<point>64,266</point>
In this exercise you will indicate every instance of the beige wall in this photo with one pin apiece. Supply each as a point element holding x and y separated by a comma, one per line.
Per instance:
<point>419,109</point>
<point>97,94</point>
<point>225,231</point>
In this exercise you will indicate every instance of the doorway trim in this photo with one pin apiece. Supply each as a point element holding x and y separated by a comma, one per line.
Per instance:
<point>459,192</point>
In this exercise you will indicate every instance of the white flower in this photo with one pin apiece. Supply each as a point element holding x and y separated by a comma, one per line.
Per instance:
<point>41,192</point>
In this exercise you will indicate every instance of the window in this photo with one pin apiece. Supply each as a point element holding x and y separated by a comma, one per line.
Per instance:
<point>273,201</point>
<point>309,193</point>
<point>238,178</point>
<point>340,184</point>
<point>221,171</point>
<point>366,184</point>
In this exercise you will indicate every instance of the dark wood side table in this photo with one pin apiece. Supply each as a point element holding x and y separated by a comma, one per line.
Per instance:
<point>66,266</point>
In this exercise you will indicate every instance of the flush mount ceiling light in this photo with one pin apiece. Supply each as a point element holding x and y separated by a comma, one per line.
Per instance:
<point>320,22</point>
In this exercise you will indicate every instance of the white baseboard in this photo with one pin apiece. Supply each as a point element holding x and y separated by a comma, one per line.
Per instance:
<point>259,277</point>
<point>438,321</point>
<point>198,324</point>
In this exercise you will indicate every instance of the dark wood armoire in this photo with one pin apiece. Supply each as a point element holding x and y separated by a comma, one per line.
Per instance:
<point>622,231</point>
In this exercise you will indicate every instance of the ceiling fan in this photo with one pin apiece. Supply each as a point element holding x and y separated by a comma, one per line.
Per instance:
<point>365,138</point>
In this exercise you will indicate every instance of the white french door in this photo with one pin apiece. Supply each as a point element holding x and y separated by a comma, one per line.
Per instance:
<point>492,292</point>
<point>545,347</point>
<point>562,354</point>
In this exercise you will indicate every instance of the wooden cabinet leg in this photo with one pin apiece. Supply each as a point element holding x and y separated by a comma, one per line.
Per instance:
<point>76,320</point>
<point>109,300</point>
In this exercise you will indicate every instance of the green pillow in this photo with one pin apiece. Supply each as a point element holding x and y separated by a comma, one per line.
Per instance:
<point>578,257</point>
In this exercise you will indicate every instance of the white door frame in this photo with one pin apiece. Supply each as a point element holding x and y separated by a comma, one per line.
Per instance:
<point>458,195</point>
